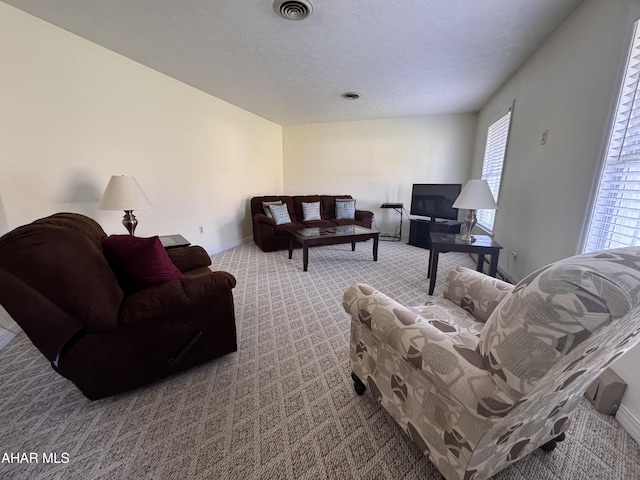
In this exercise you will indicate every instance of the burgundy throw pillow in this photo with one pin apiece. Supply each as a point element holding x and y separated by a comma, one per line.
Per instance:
<point>139,262</point>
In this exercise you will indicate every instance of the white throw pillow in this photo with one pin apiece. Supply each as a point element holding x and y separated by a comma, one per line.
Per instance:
<point>266,205</point>
<point>345,208</point>
<point>280,214</point>
<point>311,211</point>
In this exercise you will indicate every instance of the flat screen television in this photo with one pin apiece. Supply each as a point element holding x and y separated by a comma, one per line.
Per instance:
<point>435,200</point>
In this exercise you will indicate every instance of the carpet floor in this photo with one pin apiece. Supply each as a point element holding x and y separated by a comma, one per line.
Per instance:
<point>282,407</point>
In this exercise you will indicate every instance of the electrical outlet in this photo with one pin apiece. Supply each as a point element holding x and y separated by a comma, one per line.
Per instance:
<point>201,229</point>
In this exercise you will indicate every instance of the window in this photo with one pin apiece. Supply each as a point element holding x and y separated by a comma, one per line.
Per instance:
<point>615,215</point>
<point>493,164</point>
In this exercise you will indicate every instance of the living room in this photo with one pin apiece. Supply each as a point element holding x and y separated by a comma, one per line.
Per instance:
<point>76,113</point>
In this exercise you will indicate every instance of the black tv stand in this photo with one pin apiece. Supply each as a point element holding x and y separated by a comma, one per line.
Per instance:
<point>421,228</point>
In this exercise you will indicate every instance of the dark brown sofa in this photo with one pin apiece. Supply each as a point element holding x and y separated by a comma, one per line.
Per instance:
<point>270,237</point>
<point>58,286</point>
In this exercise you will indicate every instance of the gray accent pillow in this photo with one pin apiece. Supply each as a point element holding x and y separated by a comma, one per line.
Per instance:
<point>266,205</point>
<point>345,208</point>
<point>311,211</point>
<point>280,214</point>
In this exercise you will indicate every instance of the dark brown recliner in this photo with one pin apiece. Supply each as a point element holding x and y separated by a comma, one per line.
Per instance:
<point>58,286</point>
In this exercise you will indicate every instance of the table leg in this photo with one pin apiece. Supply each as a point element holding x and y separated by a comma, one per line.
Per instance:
<point>353,246</point>
<point>493,266</point>
<point>305,256</point>
<point>375,248</point>
<point>434,268</point>
<point>290,247</point>
<point>429,264</point>
<point>480,262</point>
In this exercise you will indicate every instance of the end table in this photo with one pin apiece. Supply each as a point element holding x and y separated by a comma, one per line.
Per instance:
<point>444,242</point>
<point>173,241</point>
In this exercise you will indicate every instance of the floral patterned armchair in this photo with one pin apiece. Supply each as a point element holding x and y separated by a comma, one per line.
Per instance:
<point>491,372</point>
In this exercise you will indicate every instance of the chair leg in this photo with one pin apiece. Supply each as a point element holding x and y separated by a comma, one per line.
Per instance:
<point>551,444</point>
<point>358,386</point>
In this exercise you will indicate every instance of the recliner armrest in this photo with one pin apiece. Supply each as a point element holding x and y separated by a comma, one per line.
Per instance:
<point>364,216</point>
<point>262,218</point>
<point>189,258</point>
<point>175,299</point>
<point>477,293</point>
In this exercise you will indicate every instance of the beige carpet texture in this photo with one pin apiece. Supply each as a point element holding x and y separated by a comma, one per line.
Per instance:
<point>281,407</point>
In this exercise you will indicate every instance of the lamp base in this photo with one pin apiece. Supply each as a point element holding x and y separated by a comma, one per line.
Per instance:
<point>465,237</point>
<point>469,222</point>
<point>129,221</point>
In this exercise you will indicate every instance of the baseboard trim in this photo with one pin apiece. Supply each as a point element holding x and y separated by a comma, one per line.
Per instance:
<point>501,274</point>
<point>629,422</point>
<point>228,246</point>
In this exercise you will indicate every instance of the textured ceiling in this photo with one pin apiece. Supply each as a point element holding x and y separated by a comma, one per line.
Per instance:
<point>404,57</point>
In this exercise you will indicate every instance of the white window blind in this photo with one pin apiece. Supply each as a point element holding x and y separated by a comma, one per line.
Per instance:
<point>497,137</point>
<point>615,217</point>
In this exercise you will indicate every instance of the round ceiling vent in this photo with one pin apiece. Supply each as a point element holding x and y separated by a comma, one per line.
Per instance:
<point>351,96</point>
<point>293,9</point>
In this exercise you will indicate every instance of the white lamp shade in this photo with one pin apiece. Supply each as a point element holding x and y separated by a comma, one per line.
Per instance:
<point>476,195</point>
<point>123,192</point>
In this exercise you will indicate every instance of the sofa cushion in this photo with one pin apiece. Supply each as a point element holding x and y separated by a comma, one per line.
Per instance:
<point>267,210</point>
<point>459,325</point>
<point>284,228</point>
<point>139,262</point>
<point>280,214</point>
<point>297,205</point>
<point>345,209</point>
<point>310,211</point>
<point>319,224</point>
<point>329,205</point>
<point>346,221</point>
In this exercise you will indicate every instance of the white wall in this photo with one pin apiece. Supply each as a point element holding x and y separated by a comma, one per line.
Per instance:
<point>378,161</point>
<point>569,88</point>
<point>73,114</point>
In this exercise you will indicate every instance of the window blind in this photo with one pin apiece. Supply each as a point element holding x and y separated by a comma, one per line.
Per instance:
<point>492,166</point>
<point>615,217</point>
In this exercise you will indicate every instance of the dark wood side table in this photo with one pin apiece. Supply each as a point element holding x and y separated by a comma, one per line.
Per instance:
<point>173,241</point>
<point>419,231</point>
<point>444,242</point>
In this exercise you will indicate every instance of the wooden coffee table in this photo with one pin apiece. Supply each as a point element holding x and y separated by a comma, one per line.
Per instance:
<point>315,237</point>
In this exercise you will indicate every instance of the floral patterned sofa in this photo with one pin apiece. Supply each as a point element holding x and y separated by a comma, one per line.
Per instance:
<point>490,372</point>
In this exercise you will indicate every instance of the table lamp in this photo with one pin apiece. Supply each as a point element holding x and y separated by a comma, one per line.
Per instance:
<point>476,195</point>
<point>123,192</point>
